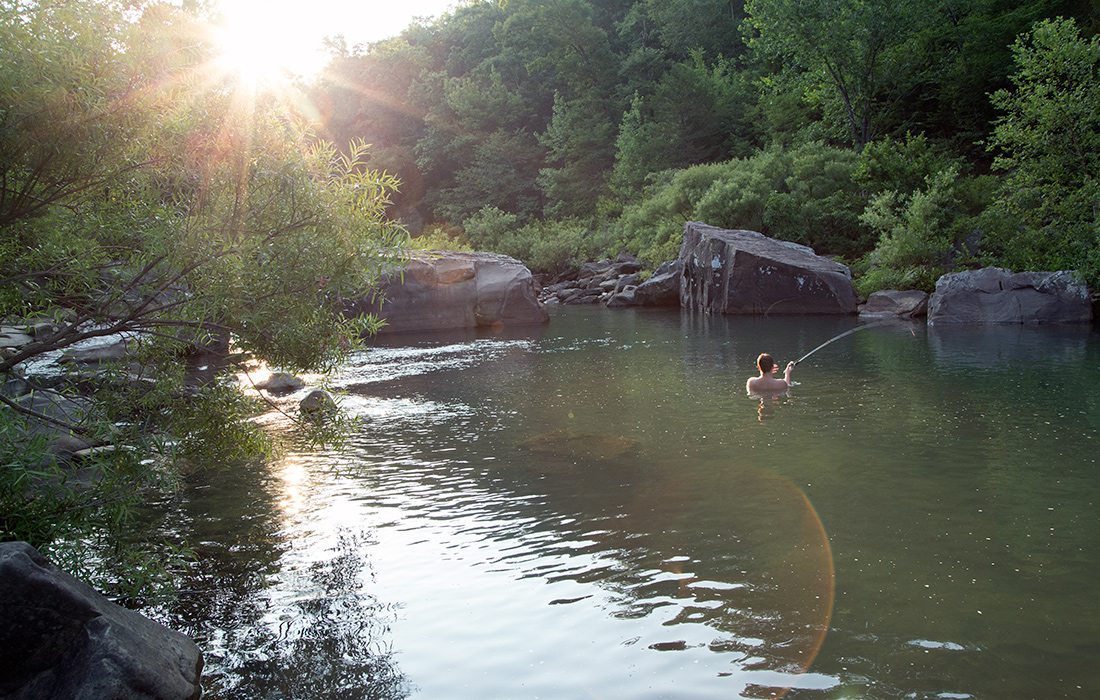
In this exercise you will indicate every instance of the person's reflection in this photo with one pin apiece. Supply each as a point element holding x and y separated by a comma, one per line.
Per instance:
<point>766,409</point>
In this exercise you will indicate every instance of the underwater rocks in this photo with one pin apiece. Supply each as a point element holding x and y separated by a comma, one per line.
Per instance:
<point>578,445</point>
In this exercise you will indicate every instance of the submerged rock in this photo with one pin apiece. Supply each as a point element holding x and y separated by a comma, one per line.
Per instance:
<point>581,445</point>
<point>61,639</point>
<point>996,295</point>
<point>745,272</point>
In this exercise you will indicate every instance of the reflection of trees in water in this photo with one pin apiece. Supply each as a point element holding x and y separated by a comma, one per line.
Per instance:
<point>327,644</point>
<point>274,622</point>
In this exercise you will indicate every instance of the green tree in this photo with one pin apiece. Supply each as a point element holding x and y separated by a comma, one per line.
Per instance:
<point>696,113</point>
<point>1048,145</point>
<point>846,46</point>
<point>580,151</point>
<point>144,196</point>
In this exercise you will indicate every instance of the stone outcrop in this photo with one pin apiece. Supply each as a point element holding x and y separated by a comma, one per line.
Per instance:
<point>449,290</point>
<point>888,303</point>
<point>996,295</point>
<point>61,639</point>
<point>610,282</point>
<point>745,272</point>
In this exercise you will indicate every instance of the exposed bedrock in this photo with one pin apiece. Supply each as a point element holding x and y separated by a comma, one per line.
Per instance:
<point>745,272</point>
<point>447,290</point>
<point>61,639</point>
<point>996,295</point>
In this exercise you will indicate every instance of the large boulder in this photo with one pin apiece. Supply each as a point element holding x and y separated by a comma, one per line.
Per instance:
<point>745,272</point>
<point>663,287</point>
<point>61,639</point>
<point>996,295</point>
<point>447,290</point>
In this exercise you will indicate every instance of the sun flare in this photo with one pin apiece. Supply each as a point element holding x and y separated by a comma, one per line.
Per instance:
<point>262,47</point>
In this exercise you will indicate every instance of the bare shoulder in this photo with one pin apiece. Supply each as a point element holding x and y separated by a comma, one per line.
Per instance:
<point>765,385</point>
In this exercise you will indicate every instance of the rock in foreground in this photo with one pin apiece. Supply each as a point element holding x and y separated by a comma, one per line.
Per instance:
<point>448,290</point>
<point>61,639</point>
<point>745,272</point>
<point>996,295</point>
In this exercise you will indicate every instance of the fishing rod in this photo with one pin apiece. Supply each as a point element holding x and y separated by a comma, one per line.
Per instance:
<point>845,333</point>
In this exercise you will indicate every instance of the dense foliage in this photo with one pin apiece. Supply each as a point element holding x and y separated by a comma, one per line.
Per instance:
<point>561,130</point>
<point>142,193</point>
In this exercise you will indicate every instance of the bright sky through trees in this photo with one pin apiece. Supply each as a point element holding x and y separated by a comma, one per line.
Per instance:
<point>262,39</point>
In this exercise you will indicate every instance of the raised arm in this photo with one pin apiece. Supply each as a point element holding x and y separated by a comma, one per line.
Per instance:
<point>787,374</point>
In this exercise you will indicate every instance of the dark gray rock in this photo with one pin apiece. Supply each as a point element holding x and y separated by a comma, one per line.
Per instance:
<point>996,295</point>
<point>14,387</point>
<point>448,290</point>
<point>13,337</point>
<point>891,302</point>
<point>61,639</point>
<point>745,272</point>
<point>98,354</point>
<point>584,295</point>
<point>631,280</point>
<point>626,297</point>
<point>663,287</point>
<point>40,328</point>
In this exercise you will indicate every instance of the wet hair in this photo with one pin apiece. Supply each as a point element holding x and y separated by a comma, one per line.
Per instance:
<point>765,362</point>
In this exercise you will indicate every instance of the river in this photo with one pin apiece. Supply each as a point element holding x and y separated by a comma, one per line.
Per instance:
<point>595,509</point>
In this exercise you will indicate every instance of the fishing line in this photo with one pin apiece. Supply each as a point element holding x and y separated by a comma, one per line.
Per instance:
<point>845,333</point>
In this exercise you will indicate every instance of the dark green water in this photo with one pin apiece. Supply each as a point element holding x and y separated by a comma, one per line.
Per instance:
<point>598,511</point>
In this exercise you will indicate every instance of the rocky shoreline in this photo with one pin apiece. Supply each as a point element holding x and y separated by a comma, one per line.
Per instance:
<point>744,272</point>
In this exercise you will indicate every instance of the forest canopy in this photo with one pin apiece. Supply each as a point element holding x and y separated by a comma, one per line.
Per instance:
<point>906,137</point>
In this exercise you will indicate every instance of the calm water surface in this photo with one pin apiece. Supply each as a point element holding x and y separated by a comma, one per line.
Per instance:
<point>596,510</point>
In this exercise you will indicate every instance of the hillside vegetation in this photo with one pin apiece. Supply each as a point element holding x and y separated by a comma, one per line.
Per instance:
<point>907,137</point>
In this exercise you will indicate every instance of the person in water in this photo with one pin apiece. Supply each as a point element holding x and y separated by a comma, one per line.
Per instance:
<point>766,383</point>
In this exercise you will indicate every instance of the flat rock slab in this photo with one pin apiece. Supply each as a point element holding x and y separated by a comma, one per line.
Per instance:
<point>61,639</point>
<point>995,295</point>
<point>888,303</point>
<point>745,272</point>
<point>11,337</point>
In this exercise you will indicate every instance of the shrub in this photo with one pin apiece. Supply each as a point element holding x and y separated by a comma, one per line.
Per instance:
<point>921,235</point>
<point>805,194</point>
